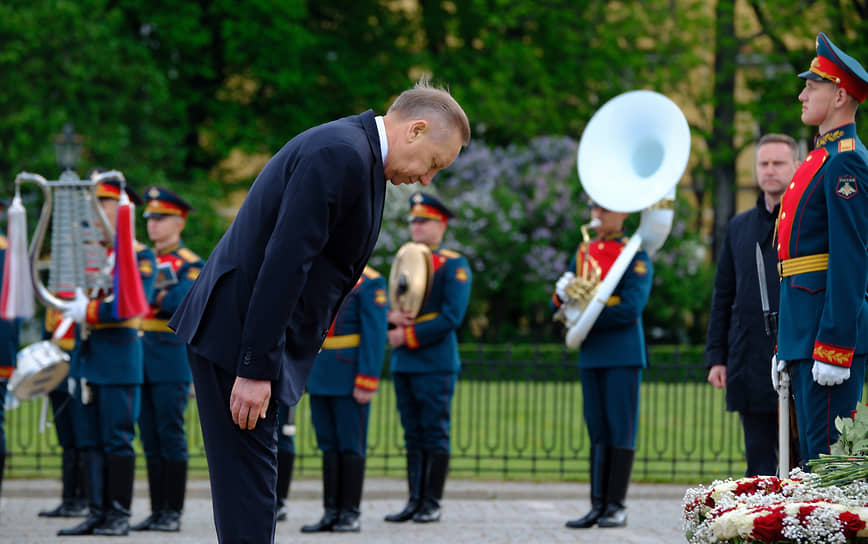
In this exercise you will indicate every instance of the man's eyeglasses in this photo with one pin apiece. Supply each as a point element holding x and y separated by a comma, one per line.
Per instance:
<point>419,220</point>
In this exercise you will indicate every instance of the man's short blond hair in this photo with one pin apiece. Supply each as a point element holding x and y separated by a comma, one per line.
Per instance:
<point>425,100</point>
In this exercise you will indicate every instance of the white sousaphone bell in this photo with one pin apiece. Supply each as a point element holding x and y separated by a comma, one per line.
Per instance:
<point>631,156</point>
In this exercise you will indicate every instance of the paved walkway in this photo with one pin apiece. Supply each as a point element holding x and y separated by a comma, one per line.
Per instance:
<point>473,512</point>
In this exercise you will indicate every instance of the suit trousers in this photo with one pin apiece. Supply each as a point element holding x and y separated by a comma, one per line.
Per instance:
<point>760,442</point>
<point>242,464</point>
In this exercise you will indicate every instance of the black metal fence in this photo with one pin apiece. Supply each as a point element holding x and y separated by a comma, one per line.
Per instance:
<point>517,414</point>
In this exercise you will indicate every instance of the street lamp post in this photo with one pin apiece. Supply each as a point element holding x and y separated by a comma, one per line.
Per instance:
<point>67,148</point>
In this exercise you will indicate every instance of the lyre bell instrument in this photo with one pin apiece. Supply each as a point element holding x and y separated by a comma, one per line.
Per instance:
<point>80,233</point>
<point>631,156</point>
<point>411,277</point>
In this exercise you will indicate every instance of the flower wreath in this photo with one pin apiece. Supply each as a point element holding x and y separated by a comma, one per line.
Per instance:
<point>765,509</point>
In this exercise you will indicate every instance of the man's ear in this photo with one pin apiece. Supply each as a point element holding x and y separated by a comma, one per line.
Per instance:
<point>416,129</point>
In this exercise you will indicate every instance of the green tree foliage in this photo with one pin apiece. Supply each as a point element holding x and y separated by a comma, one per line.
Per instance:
<point>193,95</point>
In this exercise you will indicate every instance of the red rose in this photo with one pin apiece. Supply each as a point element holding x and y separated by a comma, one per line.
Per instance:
<point>804,512</point>
<point>769,528</point>
<point>851,524</point>
<point>745,488</point>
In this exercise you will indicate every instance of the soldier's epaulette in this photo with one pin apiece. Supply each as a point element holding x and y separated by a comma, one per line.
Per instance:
<point>847,144</point>
<point>450,253</point>
<point>188,255</point>
<point>370,273</point>
<point>140,246</point>
<point>3,242</point>
<point>624,239</point>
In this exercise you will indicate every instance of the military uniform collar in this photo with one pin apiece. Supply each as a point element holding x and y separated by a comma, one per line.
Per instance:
<point>170,249</point>
<point>830,139</point>
<point>613,236</point>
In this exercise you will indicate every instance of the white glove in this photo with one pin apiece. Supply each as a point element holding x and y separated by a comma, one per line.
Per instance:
<point>826,374</point>
<point>561,285</point>
<point>777,367</point>
<point>76,309</point>
<point>572,313</point>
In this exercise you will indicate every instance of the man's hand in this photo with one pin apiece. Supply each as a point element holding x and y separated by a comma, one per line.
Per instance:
<point>249,401</point>
<point>401,318</point>
<point>362,396</point>
<point>717,376</point>
<point>561,285</point>
<point>826,374</point>
<point>396,337</point>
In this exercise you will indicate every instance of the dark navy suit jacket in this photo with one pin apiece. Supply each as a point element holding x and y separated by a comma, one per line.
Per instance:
<point>267,295</point>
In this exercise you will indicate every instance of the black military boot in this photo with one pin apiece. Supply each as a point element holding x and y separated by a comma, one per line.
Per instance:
<point>285,461</point>
<point>157,492</point>
<point>599,480</point>
<point>415,465</point>
<point>71,505</point>
<point>82,484</point>
<point>352,478</point>
<point>331,477</point>
<point>174,487</point>
<point>434,479</point>
<point>120,472</point>
<point>95,462</point>
<point>619,480</point>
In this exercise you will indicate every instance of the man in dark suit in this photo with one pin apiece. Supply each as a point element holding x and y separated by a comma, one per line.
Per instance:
<point>257,315</point>
<point>737,347</point>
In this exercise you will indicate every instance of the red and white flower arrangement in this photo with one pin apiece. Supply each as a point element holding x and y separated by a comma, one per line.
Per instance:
<point>765,509</point>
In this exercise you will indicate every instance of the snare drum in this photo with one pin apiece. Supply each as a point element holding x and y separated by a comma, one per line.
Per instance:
<point>39,368</point>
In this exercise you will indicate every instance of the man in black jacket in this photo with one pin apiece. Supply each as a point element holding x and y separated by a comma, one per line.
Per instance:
<point>259,311</point>
<point>737,346</point>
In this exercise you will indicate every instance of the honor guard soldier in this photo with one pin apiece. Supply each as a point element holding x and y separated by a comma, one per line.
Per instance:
<point>341,385</point>
<point>611,360</point>
<point>167,375</point>
<point>109,389</point>
<point>822,236</point>
<point>425,363</point>
<point>8,348</point>
<point>73,468</point>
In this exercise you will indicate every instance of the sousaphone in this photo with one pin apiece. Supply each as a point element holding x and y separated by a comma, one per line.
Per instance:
<point>631,156</point>
<point>411,277</point>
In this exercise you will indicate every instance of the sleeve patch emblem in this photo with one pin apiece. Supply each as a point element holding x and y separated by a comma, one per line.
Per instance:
<point>640,268</point>
<point>193,273</point>
<point>461,274</point>
<point>380,297</point>
<point>145,267</point>
<point>846,187</point>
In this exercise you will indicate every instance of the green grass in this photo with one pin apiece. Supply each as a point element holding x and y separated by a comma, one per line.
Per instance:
<point>523,430</point>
